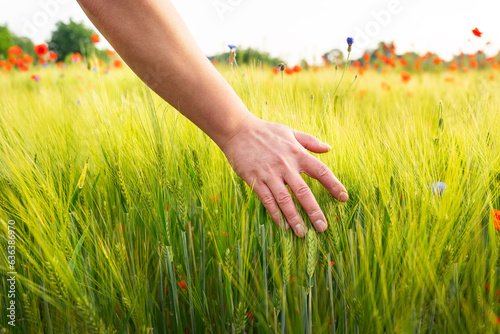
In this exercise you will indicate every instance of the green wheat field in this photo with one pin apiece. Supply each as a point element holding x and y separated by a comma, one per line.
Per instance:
<point>128,219</point>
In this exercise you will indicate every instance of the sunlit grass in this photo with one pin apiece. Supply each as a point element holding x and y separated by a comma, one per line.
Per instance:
<point>160,214</point>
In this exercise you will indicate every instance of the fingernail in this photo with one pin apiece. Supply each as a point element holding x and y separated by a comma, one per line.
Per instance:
<point>321,226</point>
<point>299,230</point>
<point>343,197</point>
<point>328,146</point>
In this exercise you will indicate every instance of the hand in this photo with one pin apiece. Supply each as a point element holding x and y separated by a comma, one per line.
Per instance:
<point>268,156</point>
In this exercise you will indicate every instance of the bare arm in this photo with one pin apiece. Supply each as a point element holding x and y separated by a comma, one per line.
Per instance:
<point>154,41</point>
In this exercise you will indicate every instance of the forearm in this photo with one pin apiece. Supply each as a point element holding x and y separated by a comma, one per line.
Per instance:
<point>154,41</point>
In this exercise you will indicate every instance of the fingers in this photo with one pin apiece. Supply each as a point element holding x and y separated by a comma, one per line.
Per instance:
<point>307,200</point>
<point>284,200</point>
<point>267,198</point>
<point>311,143</point>
<point>318,170</point>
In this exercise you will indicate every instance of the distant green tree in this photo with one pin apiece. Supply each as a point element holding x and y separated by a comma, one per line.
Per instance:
<point>8,39</point>
<point>248,56</point>
<point>25,44</point>
<point>5,41</point>
<point>71,37</point>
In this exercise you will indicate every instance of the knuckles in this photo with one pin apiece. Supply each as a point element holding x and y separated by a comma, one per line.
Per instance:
<point>302,191</point>
<point>295,149</point>
<point>267,200</point>
<point>283,197</point>
<point>316,212</point>
<point>323,170</point>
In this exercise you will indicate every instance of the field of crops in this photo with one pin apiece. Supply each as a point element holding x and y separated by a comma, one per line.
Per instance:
<point>129,219</point>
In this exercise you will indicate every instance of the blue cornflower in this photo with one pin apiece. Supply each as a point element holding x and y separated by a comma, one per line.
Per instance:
<point>350,42</point>
<point>232,51</point>
<point>438,188</point>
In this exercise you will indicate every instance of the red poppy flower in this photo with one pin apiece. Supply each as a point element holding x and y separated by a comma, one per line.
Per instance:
<point>453,67</point>
<point>6,67</point>
<point>110,53</point>
<point>366,57</point>
<point>15,51</point>
<point>28,59</point>
<point>289,71</point>
<point>405,76</point>
<point>76,57</point>
<point>297,68</point>
<point>35,77</point>
<point>417,65</point>
<point>436,61</point>
<point>356,64</point>
<point>183,285</point>
<point>474,64</point>
<point>250,315</point>
<point>22,66</point>
<point>362,92</point>
<point>41,50</point>
<point>275,70</point>
<point>476,32</point>
<point>52,56</point>
<point>403,62</point>
<point>117,63</point>
<point>496,219</point>
<point>95,38</point>
<point>215,198</point>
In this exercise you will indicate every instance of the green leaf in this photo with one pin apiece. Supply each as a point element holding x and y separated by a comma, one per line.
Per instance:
<point>77,251</point>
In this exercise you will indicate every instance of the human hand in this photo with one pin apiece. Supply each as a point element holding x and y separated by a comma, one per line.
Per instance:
<point>268,156</point>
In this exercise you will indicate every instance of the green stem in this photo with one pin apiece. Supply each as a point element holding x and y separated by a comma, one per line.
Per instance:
<point>190,287</point>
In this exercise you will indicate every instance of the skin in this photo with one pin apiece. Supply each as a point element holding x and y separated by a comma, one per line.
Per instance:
<point>153,40</point>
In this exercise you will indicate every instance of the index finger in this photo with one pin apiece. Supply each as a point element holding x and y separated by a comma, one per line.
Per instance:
<point>318,170</point>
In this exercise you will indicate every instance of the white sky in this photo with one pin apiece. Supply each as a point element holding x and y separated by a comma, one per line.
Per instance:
<point>294,29</point>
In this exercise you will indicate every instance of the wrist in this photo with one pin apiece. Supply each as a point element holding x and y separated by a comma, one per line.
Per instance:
<point>243,127</point>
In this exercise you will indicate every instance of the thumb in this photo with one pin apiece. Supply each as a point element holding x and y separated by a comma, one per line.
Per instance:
<point>311,143</point>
